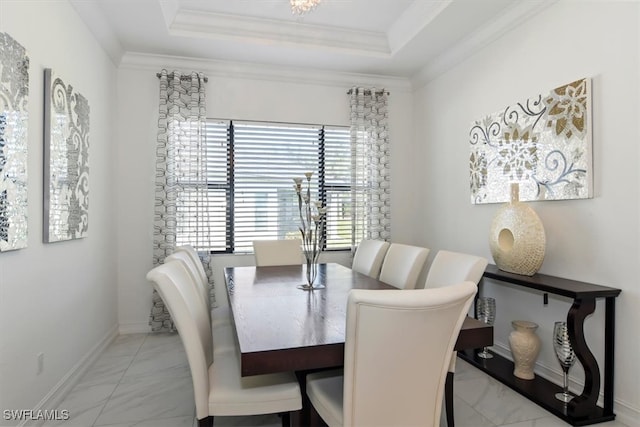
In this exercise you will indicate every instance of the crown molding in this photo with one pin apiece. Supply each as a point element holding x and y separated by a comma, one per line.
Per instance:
<point>91,12</point>
<point>190,23</point>
<point>169,9</point>
<point>253,71</point>
<point>502,24</point>
<point>413,20</point>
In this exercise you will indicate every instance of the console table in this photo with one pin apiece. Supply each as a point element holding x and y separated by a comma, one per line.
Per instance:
<point>583,409</point>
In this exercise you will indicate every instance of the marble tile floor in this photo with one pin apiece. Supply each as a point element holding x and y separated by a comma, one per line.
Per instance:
<point>143,380</point>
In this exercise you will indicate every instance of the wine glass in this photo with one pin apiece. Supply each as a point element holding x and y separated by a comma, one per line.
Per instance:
<point>486,312</point>
<point>566,357</point>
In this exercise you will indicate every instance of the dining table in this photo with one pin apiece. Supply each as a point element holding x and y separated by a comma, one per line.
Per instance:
<point>281,328</point>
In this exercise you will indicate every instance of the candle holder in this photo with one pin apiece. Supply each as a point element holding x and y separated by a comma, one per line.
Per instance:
<point>566,356</point>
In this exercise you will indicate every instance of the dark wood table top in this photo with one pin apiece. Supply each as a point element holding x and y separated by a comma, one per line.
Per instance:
<point>282,328</point>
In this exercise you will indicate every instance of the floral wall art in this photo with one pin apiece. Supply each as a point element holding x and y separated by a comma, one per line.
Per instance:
<point>543,143</point>
<point>14,91</point>
<point>66,161</point>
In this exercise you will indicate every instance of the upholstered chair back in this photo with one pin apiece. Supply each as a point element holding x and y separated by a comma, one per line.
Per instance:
<point>201,288</point>
<point>449,267</point>
<point>195,259</point>
<point>395,359</point>
<point>369,256</point>
<point>402,265</point>
<point>278,252</point>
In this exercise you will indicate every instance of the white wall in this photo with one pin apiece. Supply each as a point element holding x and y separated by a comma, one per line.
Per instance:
<point>58,299</point>
<point>595,240</point>
<point>246,93</point>
<point>51,303</point>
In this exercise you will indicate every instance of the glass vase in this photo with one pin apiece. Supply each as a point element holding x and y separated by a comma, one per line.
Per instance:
<point>311,273</point>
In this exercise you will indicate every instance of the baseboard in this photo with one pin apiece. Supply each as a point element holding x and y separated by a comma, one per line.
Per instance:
<point>134,328</point>
<point>57,394</point>
<point>625,412</point>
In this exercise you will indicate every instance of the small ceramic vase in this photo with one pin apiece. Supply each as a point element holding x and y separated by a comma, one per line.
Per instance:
<point>525,346</point>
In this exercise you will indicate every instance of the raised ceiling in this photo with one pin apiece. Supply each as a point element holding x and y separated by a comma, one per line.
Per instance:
<point>381,37</point>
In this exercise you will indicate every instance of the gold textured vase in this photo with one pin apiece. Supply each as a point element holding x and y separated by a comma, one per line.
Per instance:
<point>517,240</point>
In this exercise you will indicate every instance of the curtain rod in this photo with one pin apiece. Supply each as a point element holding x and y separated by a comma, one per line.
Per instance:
<point>368,92</point>
<point>206,79</point>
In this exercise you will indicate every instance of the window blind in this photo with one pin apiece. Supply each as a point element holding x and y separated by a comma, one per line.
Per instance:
<point>337,187</point>
<point>203,190</point>
<point>249,184</point>
<point>266,159</point>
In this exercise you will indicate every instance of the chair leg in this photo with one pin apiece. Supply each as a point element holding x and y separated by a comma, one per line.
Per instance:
<point>286,419</point>
<point>315,420</point>
<point>448,399</point>
<point>206,422</point>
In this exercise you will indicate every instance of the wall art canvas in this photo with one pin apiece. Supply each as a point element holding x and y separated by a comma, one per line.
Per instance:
<point>542,143</point>
<point>66,161</point>
<point>14,91</point>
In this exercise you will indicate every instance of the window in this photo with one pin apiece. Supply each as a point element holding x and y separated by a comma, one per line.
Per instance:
<point>249,192</point>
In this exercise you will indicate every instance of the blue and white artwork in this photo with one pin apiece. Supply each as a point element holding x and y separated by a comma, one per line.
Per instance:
<point>542,143</point>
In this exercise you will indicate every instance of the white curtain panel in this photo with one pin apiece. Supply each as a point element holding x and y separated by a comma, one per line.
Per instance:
<point>370,174</point>
<point>181,180</point>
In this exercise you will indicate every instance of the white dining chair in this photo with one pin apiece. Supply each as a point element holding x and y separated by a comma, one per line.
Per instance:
<point>219,389</point>
<point>221,313</point>
<point>402,265</point>
<point>195,259</point>
<point>369,256</point>
<point>202,287</point>
<point>219,291</point>
<point>395,361</point>
<point>277,252</point>
<point>448,268</point>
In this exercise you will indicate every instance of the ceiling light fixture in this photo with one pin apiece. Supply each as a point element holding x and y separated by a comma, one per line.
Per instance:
<point>303,6</point>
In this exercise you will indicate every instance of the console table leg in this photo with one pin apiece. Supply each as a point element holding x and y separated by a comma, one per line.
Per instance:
<point>609,345</point>
<point>583,405</point>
